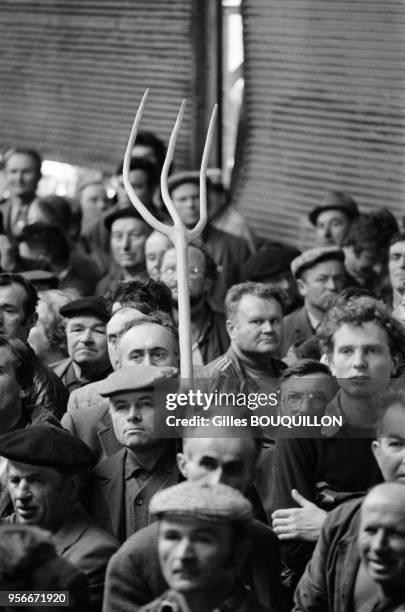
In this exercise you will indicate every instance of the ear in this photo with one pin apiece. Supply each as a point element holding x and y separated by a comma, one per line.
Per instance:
<point>302,287</point>
<point>230,327</point>
<point>182,464</point>
<point>375,447</point>
<point>396,362</point>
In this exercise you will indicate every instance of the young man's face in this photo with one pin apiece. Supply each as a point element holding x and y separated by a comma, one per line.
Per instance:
<point>186,199</point>
<point>256,327</point>
<point>128,236</point>
<point>361,359</point>
<point>21,175</point>
<point>389,448</point>
<point>321,283</point>
<point>195,556</point>
<point>140,184</point>
<point>332,227</point>
<point>13,322</point>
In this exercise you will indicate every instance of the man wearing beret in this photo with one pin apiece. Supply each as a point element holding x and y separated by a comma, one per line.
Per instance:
<point>202,543</point>
<point>86,342</point>
<point>229,252</point>
<point>123,484</point>
<point>212,455</point>
<point>128,234</point>
<point>320,275</point>
<point>43,470</point>
<point>333,218</point>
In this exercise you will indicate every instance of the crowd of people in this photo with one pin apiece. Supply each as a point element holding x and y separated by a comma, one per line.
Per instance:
<point>222,513</point>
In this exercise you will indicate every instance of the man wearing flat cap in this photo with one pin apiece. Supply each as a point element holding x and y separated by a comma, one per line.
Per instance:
<point>229,252</point>
<point>128,233</point>
<point>43,473</point>
<point>86,343</point>
<point>123,484</point>
<point>202,546</point>
<point>320,275</point>
<point>333,218</point>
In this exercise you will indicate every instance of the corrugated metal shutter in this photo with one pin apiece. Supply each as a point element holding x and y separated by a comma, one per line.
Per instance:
<point>325,109</point>
<point>72,73</point>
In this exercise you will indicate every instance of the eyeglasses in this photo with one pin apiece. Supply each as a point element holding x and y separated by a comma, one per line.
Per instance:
<point>295,398</point>
<point>171,271</point>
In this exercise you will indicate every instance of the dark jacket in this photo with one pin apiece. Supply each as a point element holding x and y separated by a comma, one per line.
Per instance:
<point>296,329</point>
<point>47,391</point>
<point>134,577</point>
<point>106,500</point>
<point>65,371</point>
<point>214,339</point>
<point>329,579</point>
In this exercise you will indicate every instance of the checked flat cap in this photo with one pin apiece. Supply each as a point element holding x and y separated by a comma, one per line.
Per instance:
<point>90,305</point>
<point>311,257</point>
<point>46,445</point>
<point>216,503</point>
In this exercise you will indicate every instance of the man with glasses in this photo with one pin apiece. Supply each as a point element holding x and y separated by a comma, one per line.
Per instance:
<point>208,331</point>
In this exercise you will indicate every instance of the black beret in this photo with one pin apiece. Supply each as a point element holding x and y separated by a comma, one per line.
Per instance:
<point>47,446</point>
<point>94,305</point>
<point>269,260</point>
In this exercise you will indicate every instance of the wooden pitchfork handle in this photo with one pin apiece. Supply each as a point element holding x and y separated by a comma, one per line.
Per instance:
<point>177,233</point>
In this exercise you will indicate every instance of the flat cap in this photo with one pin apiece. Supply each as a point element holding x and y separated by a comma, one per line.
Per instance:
<point>179,178</point>
<point>314,256</point>
<point>120,213</point>
<point>47,446</point>
<point>41,279</point>
<point>270,260</point>
<point>217,503</point>
<point>336,200</point>
<point>92,305</point>
<point>134,378</point>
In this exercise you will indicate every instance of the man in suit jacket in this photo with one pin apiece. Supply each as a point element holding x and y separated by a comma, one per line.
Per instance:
<point>43,482</point>
<point>134,576</point>
<point>123,484</point>
<point>320,275</point>
<point>88,414</point>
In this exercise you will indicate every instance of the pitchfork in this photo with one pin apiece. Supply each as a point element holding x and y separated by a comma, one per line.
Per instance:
<point>177,233</point>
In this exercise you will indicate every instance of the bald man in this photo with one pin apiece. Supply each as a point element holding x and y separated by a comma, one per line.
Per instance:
<point>382,544</point>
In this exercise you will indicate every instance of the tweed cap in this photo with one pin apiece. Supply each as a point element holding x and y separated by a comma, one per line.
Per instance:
<point>309,258</point>
<point>336,200</point>
<point>133,378</point>
<point>268,261</point>
<point>216,503</point>
<point>90,305</point>
<point>46,445</point>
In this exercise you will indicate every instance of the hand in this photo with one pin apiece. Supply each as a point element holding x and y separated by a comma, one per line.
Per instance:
<point>303,523</point>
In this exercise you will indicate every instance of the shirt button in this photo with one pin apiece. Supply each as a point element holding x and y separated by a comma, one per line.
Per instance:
<point>139,501</point>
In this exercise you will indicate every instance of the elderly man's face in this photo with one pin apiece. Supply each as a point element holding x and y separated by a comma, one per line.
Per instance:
<point>148,344</point>
<point>389,449</point>
<point>215,460</point>
<point>155,247</point>
<point>321,283</point>
<point>186,198</point>
<point>87,340</point>
<point>195,556</point>
<point>10,391</point>
<point>39,494</point>
<point>361,359</point>
<point>13,322</point>
<point>308,394</point>
<point>133,418</point>
<point>256,326</point>
<point>114,326</point>
<point>332,227</point>
<point>21,175</point>
<point>128,236</point>
<point>382,540</point>
<point>396,266</point>
<point>198,283</point>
